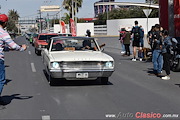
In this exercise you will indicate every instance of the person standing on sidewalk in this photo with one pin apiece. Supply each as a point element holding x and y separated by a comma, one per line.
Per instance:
<point>5,39</point>
<point>136,39</point>
<point>157,57</point>
<point>140,53</point>
<point>127,39</point>
<point>166,51</point>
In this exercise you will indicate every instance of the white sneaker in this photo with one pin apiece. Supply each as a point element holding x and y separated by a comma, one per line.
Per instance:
<point>122,52</point>
<point>140,59</point>
<point>133,59</point>
<point>166,78</point>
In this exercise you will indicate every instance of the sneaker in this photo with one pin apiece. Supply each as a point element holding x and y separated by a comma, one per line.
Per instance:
<point>140,59</point>
<point>160,75</point>
<point>133,59</point>
<point>166,78</point>
<point>122,52</point>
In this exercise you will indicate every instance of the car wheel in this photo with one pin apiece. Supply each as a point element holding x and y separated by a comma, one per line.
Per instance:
<point>104,80</point>
<point>50,80</point>
<point>176,67</point>
<point>37,52</point>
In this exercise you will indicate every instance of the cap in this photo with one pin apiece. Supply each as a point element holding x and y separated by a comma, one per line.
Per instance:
<point>128,29</point>
<point>3,18</point>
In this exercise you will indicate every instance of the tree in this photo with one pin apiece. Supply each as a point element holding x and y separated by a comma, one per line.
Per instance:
<point>13,20</point>
<point>66,18</point>
<point>68,6</point>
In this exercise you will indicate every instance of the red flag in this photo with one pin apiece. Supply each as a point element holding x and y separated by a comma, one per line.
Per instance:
<point>63,26</point>
<point>73,29</point>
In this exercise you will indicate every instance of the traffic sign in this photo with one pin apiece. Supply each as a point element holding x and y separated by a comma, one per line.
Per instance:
<point>147,12</point>
<point>53,8</point>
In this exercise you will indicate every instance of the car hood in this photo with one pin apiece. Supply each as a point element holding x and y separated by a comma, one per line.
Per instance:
<point>80,56</point>
<point>42,42</point>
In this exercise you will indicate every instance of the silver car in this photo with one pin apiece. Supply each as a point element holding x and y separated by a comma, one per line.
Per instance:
<point>76,58</point>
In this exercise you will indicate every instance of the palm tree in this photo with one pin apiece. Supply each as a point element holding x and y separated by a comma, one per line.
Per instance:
<point>13,14</point>
<point>66,18</point>
<point>13,19</point>
<point>67,4</point>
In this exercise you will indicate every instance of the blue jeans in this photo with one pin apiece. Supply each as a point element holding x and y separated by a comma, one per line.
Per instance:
<point>122,47</point>
<point>157,60</point>
<point>2,75</point>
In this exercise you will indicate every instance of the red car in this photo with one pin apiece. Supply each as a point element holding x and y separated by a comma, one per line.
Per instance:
<point>41,41</point>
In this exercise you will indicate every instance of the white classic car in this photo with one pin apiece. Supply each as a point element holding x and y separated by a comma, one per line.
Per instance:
<point>76,58</point>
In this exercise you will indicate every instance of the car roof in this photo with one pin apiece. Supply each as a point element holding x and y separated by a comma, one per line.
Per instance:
<point>72,37</point>
<point>48,34</point>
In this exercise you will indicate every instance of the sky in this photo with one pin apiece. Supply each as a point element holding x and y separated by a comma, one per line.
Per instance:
<point>29,8</point>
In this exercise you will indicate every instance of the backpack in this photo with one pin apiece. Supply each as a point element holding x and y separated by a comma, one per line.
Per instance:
<point>136,31</point>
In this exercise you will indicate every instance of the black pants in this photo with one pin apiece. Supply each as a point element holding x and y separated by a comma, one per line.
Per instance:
<point>166,65</point>
<point>127,49</point>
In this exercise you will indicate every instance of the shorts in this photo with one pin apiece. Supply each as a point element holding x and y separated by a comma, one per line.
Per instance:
<point>136,43</point>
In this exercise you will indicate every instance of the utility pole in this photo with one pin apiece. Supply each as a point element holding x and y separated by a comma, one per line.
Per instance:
<point>72,9</point>
<point>40,21</point>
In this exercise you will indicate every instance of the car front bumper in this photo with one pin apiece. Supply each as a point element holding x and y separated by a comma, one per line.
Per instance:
<point>72,74</point>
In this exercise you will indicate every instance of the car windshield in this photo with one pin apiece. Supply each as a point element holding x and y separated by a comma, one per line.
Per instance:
<point>60,44</point>
<point>46,37</point>
<point>35,35</point>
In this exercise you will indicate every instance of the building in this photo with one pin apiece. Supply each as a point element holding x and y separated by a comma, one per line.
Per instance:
<point>103,8</point>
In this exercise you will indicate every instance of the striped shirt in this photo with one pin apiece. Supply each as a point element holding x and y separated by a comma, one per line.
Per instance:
<point>5,39</point>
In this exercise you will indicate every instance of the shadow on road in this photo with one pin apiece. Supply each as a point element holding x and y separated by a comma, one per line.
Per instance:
<point>7,81</point>
<point>177,85</point>
<point>8,98</point>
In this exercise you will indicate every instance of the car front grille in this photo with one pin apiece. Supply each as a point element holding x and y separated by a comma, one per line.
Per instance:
<point>81,65</point>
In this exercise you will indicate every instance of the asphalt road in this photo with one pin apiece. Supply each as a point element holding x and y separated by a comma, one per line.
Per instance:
<point>130,90</point>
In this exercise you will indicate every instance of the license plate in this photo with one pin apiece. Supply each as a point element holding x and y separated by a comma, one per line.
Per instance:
<point>81,75</point>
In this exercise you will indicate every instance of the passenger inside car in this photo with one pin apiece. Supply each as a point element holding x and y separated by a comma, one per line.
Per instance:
<point>58,47</point>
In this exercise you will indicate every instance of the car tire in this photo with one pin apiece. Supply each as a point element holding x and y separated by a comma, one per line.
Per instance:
<point>176,68</point>
<point>51,80</point>
<point>37,52</point>
<point>104,80</point>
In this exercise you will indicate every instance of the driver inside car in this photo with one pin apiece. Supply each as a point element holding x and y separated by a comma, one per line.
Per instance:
<point>86,44</point>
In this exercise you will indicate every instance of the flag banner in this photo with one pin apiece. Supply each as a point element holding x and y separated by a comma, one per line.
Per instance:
<point>73,27</point>
<point>63,27</point>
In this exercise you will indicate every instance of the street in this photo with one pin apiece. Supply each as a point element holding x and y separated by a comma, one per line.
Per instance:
<point>130,92</point>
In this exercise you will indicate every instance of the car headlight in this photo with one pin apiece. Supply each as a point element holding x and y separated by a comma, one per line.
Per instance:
<point>109,64</point>
<point>55,65</point>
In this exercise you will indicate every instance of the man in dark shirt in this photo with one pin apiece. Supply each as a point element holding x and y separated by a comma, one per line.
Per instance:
<point>157,51</point>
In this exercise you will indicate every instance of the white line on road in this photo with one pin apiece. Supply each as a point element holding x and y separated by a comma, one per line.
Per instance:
<point>46,117</point>
<point>29,52</point>
<point>33,67</point>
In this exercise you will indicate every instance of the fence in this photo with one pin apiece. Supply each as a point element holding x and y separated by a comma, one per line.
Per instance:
<point>100,30</point>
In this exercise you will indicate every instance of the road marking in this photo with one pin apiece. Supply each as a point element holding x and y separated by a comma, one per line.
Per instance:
<point>29,52</point>
<point>33,67</point>
<point>46,117</point>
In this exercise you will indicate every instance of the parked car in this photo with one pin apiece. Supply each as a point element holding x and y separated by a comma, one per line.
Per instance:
<point>76,58</point>
<point>41,41</point>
